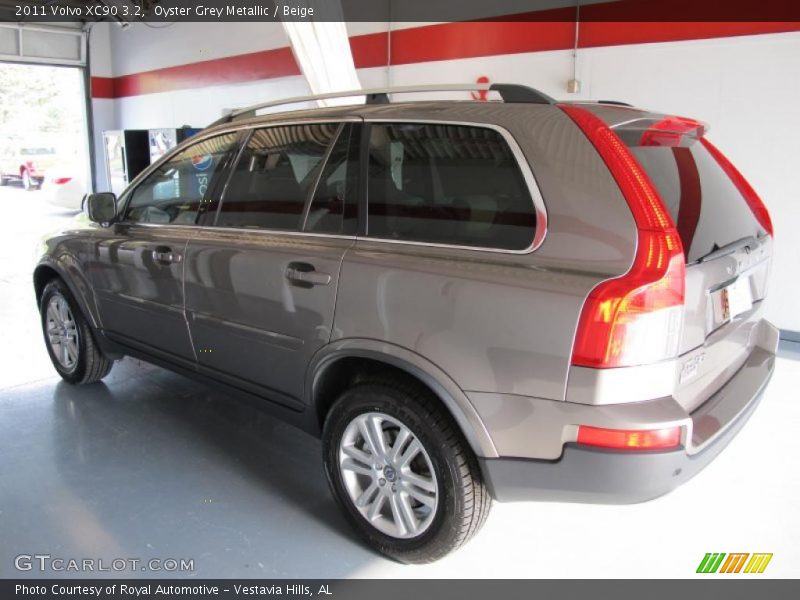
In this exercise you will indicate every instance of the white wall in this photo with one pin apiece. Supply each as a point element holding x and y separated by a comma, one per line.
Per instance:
<point>103,109</point>
<point>747,88</point>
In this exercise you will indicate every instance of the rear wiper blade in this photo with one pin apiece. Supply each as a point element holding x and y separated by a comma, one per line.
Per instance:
<point>750,241</point>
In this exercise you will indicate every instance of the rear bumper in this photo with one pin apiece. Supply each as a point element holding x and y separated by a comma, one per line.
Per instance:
<point>582,474</point>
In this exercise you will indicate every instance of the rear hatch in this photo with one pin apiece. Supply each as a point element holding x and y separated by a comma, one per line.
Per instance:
<point>726,236</point>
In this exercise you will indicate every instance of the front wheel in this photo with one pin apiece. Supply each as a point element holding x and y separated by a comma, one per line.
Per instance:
<point>401,471</point>
<point>68,337</point>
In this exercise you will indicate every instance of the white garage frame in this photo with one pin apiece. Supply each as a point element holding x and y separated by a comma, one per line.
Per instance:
<point>43,44</point>
<point>60,46</point>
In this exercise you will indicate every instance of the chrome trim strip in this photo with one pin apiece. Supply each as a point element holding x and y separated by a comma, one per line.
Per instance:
<point>200,228</point>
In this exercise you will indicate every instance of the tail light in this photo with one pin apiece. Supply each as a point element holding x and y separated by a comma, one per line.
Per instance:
<point>62,180</point>
<point>745,189</point>
<point>636,318</point>
<point>630,439</point>
<point>670,131</point>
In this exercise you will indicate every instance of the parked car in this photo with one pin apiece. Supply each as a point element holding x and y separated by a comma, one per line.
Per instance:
<point>518,300</point>
<point>25,163</point>
<point>65,186</point>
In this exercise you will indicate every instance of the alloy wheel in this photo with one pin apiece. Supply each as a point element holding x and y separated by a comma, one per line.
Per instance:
<point>388,475</point>
<point>62,332</point>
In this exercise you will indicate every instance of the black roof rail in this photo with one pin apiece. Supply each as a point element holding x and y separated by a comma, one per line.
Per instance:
<point>614,102</point>
<point>512,92</point>
<point>378,98</point>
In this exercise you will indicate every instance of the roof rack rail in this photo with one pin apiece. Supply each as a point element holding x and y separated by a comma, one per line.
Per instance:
<point>614,102</point>
<point>509,92</point>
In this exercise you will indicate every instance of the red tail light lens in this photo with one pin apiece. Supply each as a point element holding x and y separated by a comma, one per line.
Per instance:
<point>636,318</point>
<point>62,180</point>
<point>670,131</point>
<point>745,189</point>
<point>623,439</point>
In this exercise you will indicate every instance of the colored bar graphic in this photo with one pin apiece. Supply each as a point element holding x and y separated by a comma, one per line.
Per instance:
<point>733,564</point>
<point>734,560</point>
<point>717,563</point>
<point>710,562</point>
<point>758,563</point>
<point>702,567</point>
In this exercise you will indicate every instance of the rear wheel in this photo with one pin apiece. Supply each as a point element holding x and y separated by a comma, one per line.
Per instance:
<point>68,337</point>
<point>3,180</point>
<point>401,471</point>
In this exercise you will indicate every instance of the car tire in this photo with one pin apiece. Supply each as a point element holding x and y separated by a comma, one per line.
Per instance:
<point>454,502</point>
<point>69,338</point>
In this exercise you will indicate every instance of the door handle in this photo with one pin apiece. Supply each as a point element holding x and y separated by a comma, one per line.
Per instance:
<point>164,255</point>
<point>303,274</point>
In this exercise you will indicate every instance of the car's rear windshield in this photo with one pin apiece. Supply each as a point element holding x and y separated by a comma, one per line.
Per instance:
<point>707,208</point>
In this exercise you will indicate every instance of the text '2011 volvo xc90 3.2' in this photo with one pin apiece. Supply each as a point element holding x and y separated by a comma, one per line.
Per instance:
<point>517,299</point>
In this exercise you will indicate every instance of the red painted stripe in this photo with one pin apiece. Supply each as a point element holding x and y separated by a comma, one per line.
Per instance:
<point>102,87</point>
<point>597,33</point>
<point>450,41</point>
<point>267,64</point>
<point>447,41</point>
<point>370,50</point>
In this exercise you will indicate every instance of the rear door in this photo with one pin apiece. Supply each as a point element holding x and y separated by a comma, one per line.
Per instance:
<point>137,264</point>
<point>261,276</point>
<point>726,242</point>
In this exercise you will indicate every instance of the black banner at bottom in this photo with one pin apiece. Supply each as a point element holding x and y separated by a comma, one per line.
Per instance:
<point>398,589</point>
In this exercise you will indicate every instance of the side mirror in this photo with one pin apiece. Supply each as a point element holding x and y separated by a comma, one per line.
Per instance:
<point>101,207</point>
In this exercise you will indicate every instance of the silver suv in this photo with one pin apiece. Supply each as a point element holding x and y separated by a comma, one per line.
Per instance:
<point>517,299</point>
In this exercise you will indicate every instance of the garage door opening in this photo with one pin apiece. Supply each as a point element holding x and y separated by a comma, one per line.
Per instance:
<point>43,134</point>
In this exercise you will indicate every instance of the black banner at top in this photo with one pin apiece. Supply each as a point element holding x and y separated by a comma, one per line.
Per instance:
<point>399,11</point>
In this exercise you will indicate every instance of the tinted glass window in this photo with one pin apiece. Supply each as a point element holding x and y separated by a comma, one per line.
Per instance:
<point>173,192</point>
<point>449,184</point>
<point>275,175</point>
<point>326,212</point>
<point>706,206</point>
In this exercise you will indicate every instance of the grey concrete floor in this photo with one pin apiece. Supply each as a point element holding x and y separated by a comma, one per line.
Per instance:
<point>149,464</point>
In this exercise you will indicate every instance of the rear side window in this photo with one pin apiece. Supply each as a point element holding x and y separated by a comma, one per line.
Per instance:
<point>708,209</point>
<point>447,184</point>
<point>275,175</point>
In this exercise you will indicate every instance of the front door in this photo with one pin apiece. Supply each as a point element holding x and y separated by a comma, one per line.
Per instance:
<point>137,264</point>
<point>261,278</point>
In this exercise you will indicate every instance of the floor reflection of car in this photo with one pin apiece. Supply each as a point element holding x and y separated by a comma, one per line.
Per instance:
<point>65,187</point>
<point>27,164</point>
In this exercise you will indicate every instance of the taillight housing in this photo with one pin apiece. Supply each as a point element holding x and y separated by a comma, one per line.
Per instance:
<point>629,439</point>
<point>62,180</point>
<point>745,189</point>
<point>635,318</point>
<point>670,131</point>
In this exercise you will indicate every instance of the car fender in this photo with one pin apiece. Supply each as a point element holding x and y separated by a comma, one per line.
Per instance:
<point>69,270</point>
<point>451,395</point>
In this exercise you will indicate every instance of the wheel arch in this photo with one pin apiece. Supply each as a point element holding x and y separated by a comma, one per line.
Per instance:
<point>338,364</point>
<point>46,272</point>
